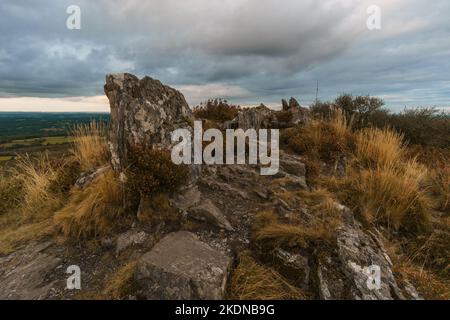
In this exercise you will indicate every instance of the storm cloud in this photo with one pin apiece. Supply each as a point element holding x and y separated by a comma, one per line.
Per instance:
<point>247,51</point>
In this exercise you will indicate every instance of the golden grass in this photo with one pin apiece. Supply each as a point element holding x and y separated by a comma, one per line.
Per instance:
<point>431,285</point>
<point>13,237</point>
<point>89,145</point>
<point>433,250</point>
<point>376,147</point>
<point>10,193</point>
<point>121,284</point>
<point>270,231</point>
<point>252,281</point>
<point>94,210</point>
<point>384,184</point>
<point>393,195</point>
<point>36,176</point>
<point>320,138</point>
<point>440,187</point>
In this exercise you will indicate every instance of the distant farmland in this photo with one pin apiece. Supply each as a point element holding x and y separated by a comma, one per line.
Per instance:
<point>23,132</point>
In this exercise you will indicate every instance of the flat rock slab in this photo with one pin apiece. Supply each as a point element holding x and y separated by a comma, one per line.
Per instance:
<point>181,266</point>
<point>23,273</point>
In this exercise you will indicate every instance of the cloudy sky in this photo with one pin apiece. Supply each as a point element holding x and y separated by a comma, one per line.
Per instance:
<point>248,51</point>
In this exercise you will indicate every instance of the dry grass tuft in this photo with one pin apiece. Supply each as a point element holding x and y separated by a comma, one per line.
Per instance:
<point>321,139</point>
<point>11,193</point>
<point>89,147</point>
<point>376,147</point>
<point>384,184</point>
<point>121,283</point>
<point>393,196</point>
<point>94,210</point>
<point>252,281</point>
<point>37,176</point>
<point>269,231</point>
<point>440,187</point>
<point>433,250</point>
<point>13,237</point>
<point>431,285</point>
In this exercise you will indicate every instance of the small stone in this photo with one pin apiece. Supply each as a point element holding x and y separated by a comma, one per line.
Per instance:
<point>128,239</point>
<point>207,211</point>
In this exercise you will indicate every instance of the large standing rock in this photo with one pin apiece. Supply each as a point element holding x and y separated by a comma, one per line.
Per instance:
<point>142,112</point>
<point>182,267</point>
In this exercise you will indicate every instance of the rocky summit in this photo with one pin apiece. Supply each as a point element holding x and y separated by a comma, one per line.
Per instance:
<point>190,243</point>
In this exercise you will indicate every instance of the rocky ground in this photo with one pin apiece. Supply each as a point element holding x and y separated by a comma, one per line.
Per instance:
<point>195,257</point>
<point>196,261</point>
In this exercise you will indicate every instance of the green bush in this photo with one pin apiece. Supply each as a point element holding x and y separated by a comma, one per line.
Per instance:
<point>359,109</point>
<point>421,126</point>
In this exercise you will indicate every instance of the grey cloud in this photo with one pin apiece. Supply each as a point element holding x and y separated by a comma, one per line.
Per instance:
<point>269,49</point>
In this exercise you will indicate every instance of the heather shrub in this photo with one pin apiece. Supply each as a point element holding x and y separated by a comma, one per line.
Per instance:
<point>216,110</point>
<point>152,171</point>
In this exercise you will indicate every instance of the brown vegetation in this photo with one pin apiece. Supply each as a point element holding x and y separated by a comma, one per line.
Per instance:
<point>252,281</point>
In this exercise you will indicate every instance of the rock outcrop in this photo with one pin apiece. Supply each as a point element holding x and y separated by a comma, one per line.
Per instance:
<point>262,117</point>
<point>181,266</point>
<point>143,111</point>
<point>351,274</point>
<point>253,118</point>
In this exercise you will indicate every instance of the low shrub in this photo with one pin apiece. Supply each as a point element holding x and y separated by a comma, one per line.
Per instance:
<point>157,209</point>
<point>216,110</point>
<point>421,126</point>
<point>152,171</point>
<point>361,109</point>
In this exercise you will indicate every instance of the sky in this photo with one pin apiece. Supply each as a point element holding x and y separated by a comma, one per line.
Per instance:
<point>246,51</point>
